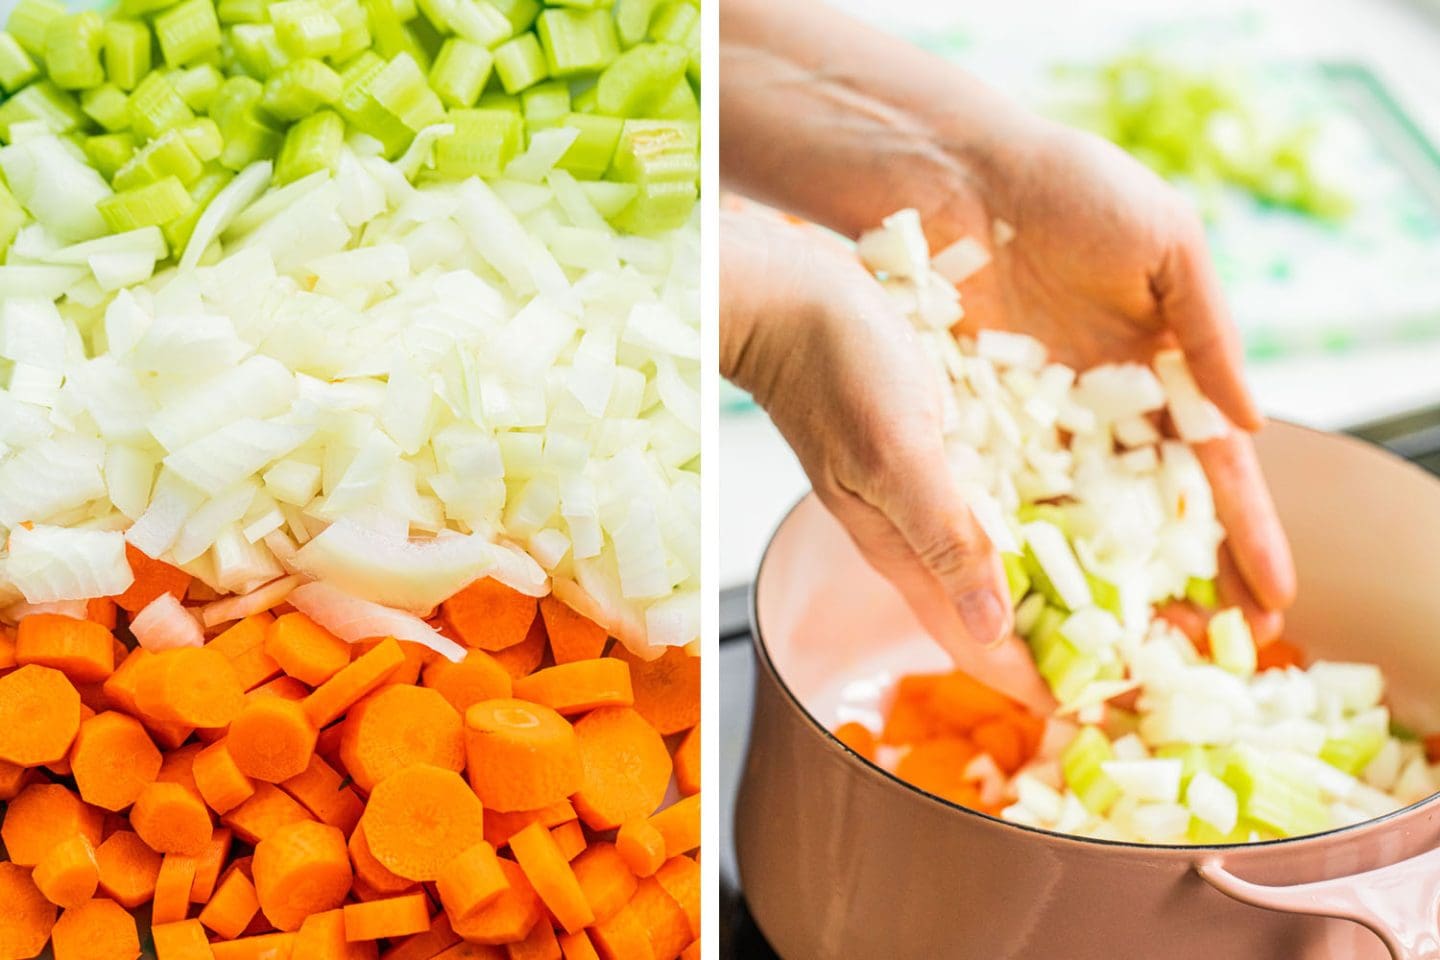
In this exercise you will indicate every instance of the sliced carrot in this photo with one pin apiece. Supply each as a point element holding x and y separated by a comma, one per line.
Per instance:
<point>95,930</point>
<point>322,937</point>
<point>428,945</point>
<point>322,791</point>
<point>572,688</point>
<point>664,921</point>
<point>417,657</point>
<point>687,762</point>
<point>572,636</point>
<point>82,650</point>
<point>478,677</point>
<point>551,877</point>
<point>622,937</point>
<point>102,610</point>
<point>522,659</point>
<point>577,946</point>
<point>857,737</point>
<point>127,869</point>
<point>112,760</point>
<point>172,889</point>
<point>43,815</point>
<point>398,726</point>
<point>266,812</point>
<point>371,872</point>
<point>7,647</point>
<point>501,826</point>
<point>471,951</point>
<point>184,940</point>
<point>119,688</point>
<point>936,766</point>
<point>539,944</point>
<point>287,688</point>
<point>680,876</point>
<point>570,838</point>
<point>1003,741</point>
<point>27,918</point>
<point>152,578</point>
<point>489,615</point>
<point>327,745</point>
<point>508,917</point>
<point>195,686</point>
<point>679,825</point>
<point>268,946</point>
<point>357,679</point>
<point>401,916</point>
<point>232,907</point>
<point>418,818</point>
<point>221,783</point>
<point>522,756</point>
<point>68,875</point>
<point>642,846</point>
<point>39,715</point>
<point>300,869</point>
<point>272,739</point>
<point>691,952</point>
<point>605,878</point>
<point>209,865</point>
<point>1278,654</point>
<point>667,689</point>
<point>13,779</point>
<point>304,649</point>
<point>172,819</point>
<point>179,766</point>
<point>243,644</point>
<point>627,768</point>
<point>471,880</point>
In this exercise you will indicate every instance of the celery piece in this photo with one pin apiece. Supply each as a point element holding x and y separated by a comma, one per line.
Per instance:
<point>391,35</point>
<point>589,156</point>
<point>461,71</point>
<point>127,52</point>
<point>197,86</point>
<point>406,10</point>
<point>143,8</point>
<point>546,104</point>
<point>203,137</point>
<point>640,79</point>
<point>677,22</point>
<point>305,28</point>
<point>1083,762</point>
<point>1273,797</point>
<point>520,13</point>
<point>148,206</point>
<point>16,67</point>
<point>109,152</point>
<point>632,19</point>
<point>1202,593</point>
<point>484,141</point>
<point>355,32</point>
<point>577,41</point>
<point>43,102</point>
<point>1193,758</point>
<point>1040,581</point>
<point>1353,750</point>
<point>495,100</point>
<point>168,155</point>
<point>1045,633</point>
<point>258,49</point>
<point>30,20</point>
<point>187,31</point>
<point>1015,576</point>
<point>434,12</point>
<point>212,181</point>
<point>241,11</point>
<point>679,104</point>
<point>1065,669</point>
<point>248,135</point>
<point>520,63</point>
<point>108,106</point>
<point>1203,834</point>
<point>657,151</point>
<point>310,145</point>
<point>299,89</point>
<point>608,198</point>
<point>400,91</point>
<point>72,50</point>
<point>478,21</point>
<point>1105,594</point>
<point>236,94</point>
<point>1231,645</point>
<point>12,218</point>
<point>155,106</point>
<point>585,100</point>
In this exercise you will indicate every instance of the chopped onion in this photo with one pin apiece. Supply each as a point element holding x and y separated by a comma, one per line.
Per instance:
<point>259,600</point>
<point>355,621</point>
<point>166,624</point>
<point>52,563</point>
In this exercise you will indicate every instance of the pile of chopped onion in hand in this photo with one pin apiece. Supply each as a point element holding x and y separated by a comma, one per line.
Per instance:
<point>1160,736</point>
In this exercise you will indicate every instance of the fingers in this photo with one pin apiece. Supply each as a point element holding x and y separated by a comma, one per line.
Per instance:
<point>1192,306</point>
<point>1255,539</point>
<point>1265,625</point>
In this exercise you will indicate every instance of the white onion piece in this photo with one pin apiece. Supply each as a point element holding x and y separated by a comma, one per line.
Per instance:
<point>52,563</point>
<point>354,620</point>
<point>962,259</point>
<point>259,600</point>
<point>74,609</point>
<point>166,624</point>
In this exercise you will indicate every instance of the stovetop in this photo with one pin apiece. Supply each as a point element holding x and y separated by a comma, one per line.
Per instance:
<point>1415,436</point>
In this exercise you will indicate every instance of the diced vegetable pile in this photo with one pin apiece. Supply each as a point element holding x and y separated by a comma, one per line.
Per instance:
<point>1172,726</point>
<point>276,792</point>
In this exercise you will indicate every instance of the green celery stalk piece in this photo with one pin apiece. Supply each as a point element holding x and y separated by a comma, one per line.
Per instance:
<point>187,32</point>
<point>1067,670</point>
<point>1082,765</point>
<point>109,152</point>
<point>1203,834</point>
<point>203,137</point>
<point>44,102</point>
<point>311,145</point>
<point>168,155</point>
<point>108,106</point>
<point>520,13</point>
<point>496,100</point>
<point>1105,593</point>
<point>1202,593</point>
<point>305,28</point>
<point>257,49</point>
<point>1016,577</point>
<point>197,85</point>
<point>577,41</point>
<point>590,155</point>
<point>679,104</point>
<point>355,30</point>
<point>16,66</point>
<point>30,21</point>
<point>677,22</point>
<point>1193,758</point>
<point>1040,581</point>
<point>73,45</point>
<point>545,104</point>
<point>299,89</point>
<point>1353,750</point>
<point>608,198</point>
<point>1273,798</point>
<point>640,79</point>
<point>483,143</point>
<point>632,19</point>
<point>12,218</point>
<point>460,72</point>
<point>520,63</point>
<point>155,106</point>
<point>232,12</point>
<point>148,206</point>
<point>212,181</point>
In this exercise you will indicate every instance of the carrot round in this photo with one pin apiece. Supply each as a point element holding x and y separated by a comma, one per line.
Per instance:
<point>572,636</point>
<point>322,937</point>
<point>571,688</point>
<point>935,766</point>
<point>471,880</point>
<point>184,940</point>
<point>1003,741</point>
<point>39,715</point>
<point>428,945</point>
<point>577,946</point>
<point>43,815</point>
<point>679,825</point>
<point>362,675</point>
<point>271,739</point>
<point>642,846</point>
<point>68,875</point>
<point>622,937</point>
<point>570,838</point>
<point>857,737</point>
<point>501,826</point>
<point>522,756</point>
<point>267,946</point>
<point>551,877</point>
<point>82,650</point>
<point>478,677</point>
<point>508,917</point>
<point>665,923</point>
<point>287,688</point>
<point>322,791</point>
<point>398,726</point>
<point>687,762</point>
<point>13,779</point>
<point>1278,654</point>
<point>112,760</point>
<point>400,916</point>
<point>539,944</point>
<point>27,917</point>
<point>667,689</point>
<point>627,768</point>
<point>221,782</point>
<point>605,878</point>
<point>172,819</point>
<point>522,658</point>
<point>419,818</point>
<point>95,930</point>
<point>243,644</point>
<point>127,869</point>
<point>301,869</point>
<point>172,889</point>
<point>152,578</point>
<point>196,686</point>
<point>680,876</point>
<point>371,872</point>
<point>266,812</point>
<point>304,649</point>
<point>209,864</point>
<point>489,615</point>
<point>232,907</point>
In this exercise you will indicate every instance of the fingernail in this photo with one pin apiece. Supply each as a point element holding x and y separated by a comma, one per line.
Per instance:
<point>983,616</point>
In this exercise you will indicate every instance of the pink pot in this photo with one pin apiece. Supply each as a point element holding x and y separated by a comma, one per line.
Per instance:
<point>838,858</point>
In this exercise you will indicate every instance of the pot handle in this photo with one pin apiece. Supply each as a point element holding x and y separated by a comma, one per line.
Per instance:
<point>1399,903</point>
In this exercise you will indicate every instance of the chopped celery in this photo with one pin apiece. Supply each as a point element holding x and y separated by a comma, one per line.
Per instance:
<point>187,31</point>
<point>478,21</point>
<point>520,63</point>
<point>203,137</point>
<point>148,206</point>
<point>392,35</point>
<point>30,20</point>
<point>1231,645</point>
<point>484,141</point>
<point>12,218</point>
<point>1050,513</point>
<point>198,85</point>
<point>640,79</point>
<point>632,19</point>
<point>1039,581</point>
<point>590,155</point>
<point>242,11</point>
<point>108,106</point>
<point>310,145</point>
<point>212,181</point>
<point>1193,758</point>
<point>1273,797</point>
<point>1201,833</point>
<point>305,28</point>
<point>142,8</point>
<point>1353,750</point>
<point>359,109</point>
<point>1202,593</point>
<point>16,67</point>
<point>495,100</point>
<point>168,155</point>
<point>127,52</point>
<point>1083,765</point>
<point>247,134</point>
<point>460,72</point>
<point>1067,670</point>
<point>677,22</point>
<point>109,152</point>
<point>406,10</point>
<point>678,104</point>
<point>355,34</point>
<point>400,104</point>
<point>585,100</point>
<point>1015,576</point>
<point>545,104</point>
<point>1105,593</point>
<point>608,198</point>
<point>577,41</point>
<point>72,51</point>
<point>43,102</point>
<point>299,88</point>
<point>257,49</point>
<point>156,107</point>
<point>520,13</point>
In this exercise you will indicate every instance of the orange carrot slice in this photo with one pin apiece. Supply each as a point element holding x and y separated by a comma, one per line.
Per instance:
<point>266,812</point>
<point>232,907</point>
<point>577,946</point>
<point>300,869</point>
<point>172,889</point>
<point>82,650</point>
<point>572,636</point>
<point>622,937</point>
<point>28,918</point>
<point>551,877</point>
<point>605,878</point>
<point>357,679</point>
<point>39,715</point>
<point>680,876</point>
<point>679,825</point>
<point>935,766</point>
<point>271,739</point>
<point>478,677</point>
<point>627,768</point>
<point>43,815</point>
<point>418,818</point>
<point>489,615</point>
<point>209,864</point>
<point>322,937</point>
<point>664,921</point>
<point>500,826</point>
<point>642,846</point>
<point>95,930</point>
<point>152,578</point>
<point>857,737</point>
<point>687,762</point>
<point>304,649</point>
<point>471,880</point>
<point>667,689</point>
<point>324,793</point>
<point>243,644</point>
<point>398,726</point>
<point>184,940</point>
<point>269,946</point>
<point>172,819</point>
<point>127,869</point>
<point>220,781</point>
<point>539,944</point>
<point>428,945</point>
<point>196,686</point>
<point>570,838</point>
<point>371,872</point>
<point>112,760</point>
<point>522,756</point>
<point>507,918</point>
<point>521,659</point>
<point>382,919</point>
<point>68,875</point>
<point>572,688</point>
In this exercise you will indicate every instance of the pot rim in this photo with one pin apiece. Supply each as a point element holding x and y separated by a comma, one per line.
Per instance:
<point>873,769</point>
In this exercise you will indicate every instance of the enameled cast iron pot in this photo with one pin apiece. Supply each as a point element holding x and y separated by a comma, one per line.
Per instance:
<point>839,859</point>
